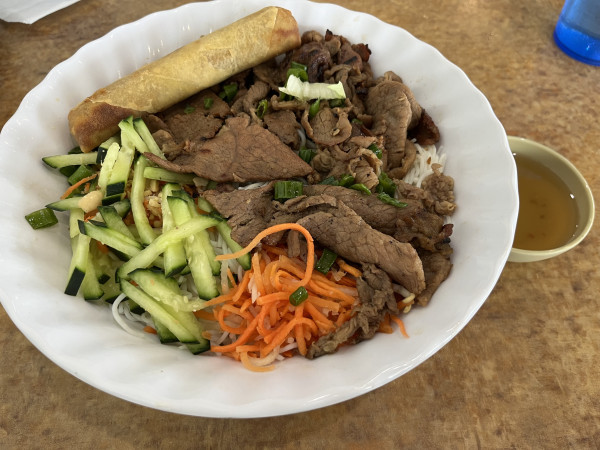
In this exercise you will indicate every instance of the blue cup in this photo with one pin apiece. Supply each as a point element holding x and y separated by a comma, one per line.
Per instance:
<point>577,31</point>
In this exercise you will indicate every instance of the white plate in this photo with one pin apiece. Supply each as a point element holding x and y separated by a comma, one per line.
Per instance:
<point>82,338</point>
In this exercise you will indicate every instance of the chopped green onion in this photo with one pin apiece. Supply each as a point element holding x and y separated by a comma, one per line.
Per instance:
<point>82,172</point>
<point>326,261</point>
<point>189,109</point>
<point>297,72</point>
<point>314,108</point>
<point>386,184</point>
<point>330,181</point>
<point>208,102</point>
<point>284,190</point>
<point>262,107</point>
<point>229,92</point>
<point>212,184</point>
<point>307,154</point>
<point>336,102</point>
<point>346,180</point>
<point>385,198</point>
<point>357,121</point>
<point>42,218</point>
<point>297,65</point>
<point>362,188</point>
<point>298,296</point>
<point>378,152</point>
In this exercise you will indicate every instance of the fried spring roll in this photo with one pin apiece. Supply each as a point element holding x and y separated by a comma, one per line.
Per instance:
<point>184,72</point>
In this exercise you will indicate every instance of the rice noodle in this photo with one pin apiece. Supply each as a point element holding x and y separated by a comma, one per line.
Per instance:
<point>119,319</point>
<point>426,156</point>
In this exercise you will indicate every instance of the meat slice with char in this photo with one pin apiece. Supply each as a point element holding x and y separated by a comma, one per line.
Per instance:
<point>347,234</point>
<point>391,111</point>
<point>240,152</point>
<point>376,299</point>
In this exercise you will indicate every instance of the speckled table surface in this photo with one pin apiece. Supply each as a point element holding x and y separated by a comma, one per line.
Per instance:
<point>524,372</point>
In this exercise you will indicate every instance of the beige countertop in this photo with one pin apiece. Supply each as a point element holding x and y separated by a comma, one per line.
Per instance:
<point>524,373</point>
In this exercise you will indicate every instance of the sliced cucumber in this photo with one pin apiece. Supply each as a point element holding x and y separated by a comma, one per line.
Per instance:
<point>195,252</point>
<point>158,311</point>
<point>122,207</point>
<point>80,246</point>
<point>144,133</point>
<point>119,174</point>
<point>90,287</point>
<point>107,165</point>
<point>175,260</point>
<point>118,241</point>
<point>103,148</point>
<point>225,232</point>
<point>158,173</point>
<point>65,204</point>
<point>164,334</point>
<point>113,220</point>
<point>138,186</point>
<point>148,255</point>
<point>72,159</point>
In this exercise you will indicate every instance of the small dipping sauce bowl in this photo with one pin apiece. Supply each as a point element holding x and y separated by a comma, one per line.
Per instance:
<point>556,206</point>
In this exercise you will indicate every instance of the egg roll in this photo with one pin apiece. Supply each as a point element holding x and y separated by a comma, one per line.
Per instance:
<point>198,65</point>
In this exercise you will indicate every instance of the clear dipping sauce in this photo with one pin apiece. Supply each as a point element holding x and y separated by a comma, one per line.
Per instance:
<point>547,212</point>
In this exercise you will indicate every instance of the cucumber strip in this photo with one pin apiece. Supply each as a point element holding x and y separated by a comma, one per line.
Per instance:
<point>159,287</point>
<point>138,186</point>
<point>113,220</point>
<point>166,290</point>
<point>225,232</point>
<point>107,165</point>
<point>117,179</point>
<point>148,255</point>
<point>175,260</point>
<point>156,310</point>
<point>203,235</point>
<point>115,240</point>
<point>122,207</point>
<point>80,173</point>
<point>164,334</point>
<point>65,204</point>
<point>112,289</point>
<point>204,205</point>
<point>75,215</point>
<point>103,148</point>
<point>198,348</point>
<point>90,287</point>
<point>128,131</point>
<point>144,133</point>
<point>80,246</point>
<point>72,159</point>
<point>197,258</point>
<point>158,173</point>
<point>103,264</point>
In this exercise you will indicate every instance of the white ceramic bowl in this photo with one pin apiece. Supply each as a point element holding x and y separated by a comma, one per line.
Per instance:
<point>582,193</point>
<point>82,338</point>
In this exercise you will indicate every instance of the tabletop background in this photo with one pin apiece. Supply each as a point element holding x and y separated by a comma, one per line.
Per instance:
<point>524,373</point>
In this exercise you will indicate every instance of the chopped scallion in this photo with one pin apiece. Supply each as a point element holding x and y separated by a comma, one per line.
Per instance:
<point>336,102</point>
<point>208,102</point>
<point>307,154</point>
<point>262,107</point>
<point>326,261</point>
<point>386,184</point>
<point>42,218</point>
<point>385,198</point>
<point>189,109</point>
<point>298,296</point>
<point>297,65</point>
<point>229,92</point>
<point>284,190</point>
<point>330,181</point>
<point>314,108</point>
<point>378,152</point>
<point>300,73</point>
<point>361,187</point>
<point>346,180</point>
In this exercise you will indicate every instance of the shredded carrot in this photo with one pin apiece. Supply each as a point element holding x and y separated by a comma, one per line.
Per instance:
<point>149,329</point>
<point>348,268</point>
<point>400,324</point>
<point>71,188</point>
<point>102,247</point>
<point>310,259</point>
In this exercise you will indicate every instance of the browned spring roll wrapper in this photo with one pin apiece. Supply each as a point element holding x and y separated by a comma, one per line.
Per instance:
<point>175,77</point>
